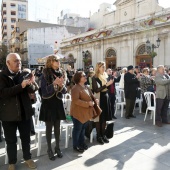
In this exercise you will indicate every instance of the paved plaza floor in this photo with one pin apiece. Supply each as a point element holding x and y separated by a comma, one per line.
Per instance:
<point>136,145</point>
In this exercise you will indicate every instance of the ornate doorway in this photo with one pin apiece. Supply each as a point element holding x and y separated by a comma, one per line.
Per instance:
<point>111,59</point>
<point>142,58</point>
<point>87,59</point>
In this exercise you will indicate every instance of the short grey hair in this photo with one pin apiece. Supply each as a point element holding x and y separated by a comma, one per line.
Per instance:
<point>10,55</point>
<point>160,66</point>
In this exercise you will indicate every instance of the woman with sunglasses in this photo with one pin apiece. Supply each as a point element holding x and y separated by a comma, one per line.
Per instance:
<point>100,86</point>
<point>52,110</point>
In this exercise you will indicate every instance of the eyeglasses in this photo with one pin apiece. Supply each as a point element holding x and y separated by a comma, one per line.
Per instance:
<point>83,76</point>
<point>56,60</point>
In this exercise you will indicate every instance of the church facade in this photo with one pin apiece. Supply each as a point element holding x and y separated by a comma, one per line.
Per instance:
<point>121,40</point>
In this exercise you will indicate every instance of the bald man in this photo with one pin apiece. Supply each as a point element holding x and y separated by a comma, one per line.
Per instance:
<point>16,109</point>
<point>162,102</point>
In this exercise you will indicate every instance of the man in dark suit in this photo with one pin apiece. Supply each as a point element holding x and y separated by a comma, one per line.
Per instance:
<point>16,109</point>
<point>131,83</point>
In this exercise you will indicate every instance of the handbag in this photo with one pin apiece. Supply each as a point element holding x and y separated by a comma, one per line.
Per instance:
<point>97,109</point>
<point>109,132</point>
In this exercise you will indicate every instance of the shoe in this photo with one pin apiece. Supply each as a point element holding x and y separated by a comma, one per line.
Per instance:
<point>127,117</point>
<point>100,140</point>
<point>11,167</point>
<point>159,124</point>
<point>132,116</point>
<point>58,152</point>
<point>84,146</point>
<point>31,164</point>
<point>166,122</point>
<point>78,149</point>
<point>51,155</point>
<point>105,139</point>
<point>114,117</point>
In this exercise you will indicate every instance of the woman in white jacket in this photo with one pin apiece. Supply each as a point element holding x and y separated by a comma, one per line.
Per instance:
<point>121,83</point>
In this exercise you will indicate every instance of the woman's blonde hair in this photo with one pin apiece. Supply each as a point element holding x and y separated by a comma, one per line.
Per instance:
<point>98,65</point>
<point>50,60</point>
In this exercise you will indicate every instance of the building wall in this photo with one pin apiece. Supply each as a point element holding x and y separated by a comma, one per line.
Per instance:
<point>127,35</point>
<point>41,41</point>
<point>21,12</point>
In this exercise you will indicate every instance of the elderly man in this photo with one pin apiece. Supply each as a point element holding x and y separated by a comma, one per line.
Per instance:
<point>162,102</point>
<point>16,109</point>
<point>131,84</point>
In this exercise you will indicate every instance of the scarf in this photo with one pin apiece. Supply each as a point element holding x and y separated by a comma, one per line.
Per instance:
<point>103,78</point>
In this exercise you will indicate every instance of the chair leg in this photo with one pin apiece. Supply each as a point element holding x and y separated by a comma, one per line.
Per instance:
<point>140,107</point>
<point>91,136</point>
<point>39,143</point>
<point>154,117</point>
<point>6,155</point>
<point>116,110</point>
<point>122,107</point>
<point>146,114</point>
<point>66,137</point>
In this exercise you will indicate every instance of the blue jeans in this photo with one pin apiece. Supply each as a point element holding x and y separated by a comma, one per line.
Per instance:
<point>78,133</point>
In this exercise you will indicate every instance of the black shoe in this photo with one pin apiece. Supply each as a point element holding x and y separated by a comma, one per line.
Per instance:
<point>127,117</point>
<point>78,149</point>
<point>51,155</point>
<point>105,139</point>
<point>132,116</point>
<point>58,152</point>
<point>114,117</point>
<point>100,140</point>
<point>84,146</point>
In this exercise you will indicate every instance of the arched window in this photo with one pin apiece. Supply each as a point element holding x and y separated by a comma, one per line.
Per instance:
<point>141,50</point>
<point>111,53</point>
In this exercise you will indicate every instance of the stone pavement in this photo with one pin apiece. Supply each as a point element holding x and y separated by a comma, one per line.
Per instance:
<point>136,145</point>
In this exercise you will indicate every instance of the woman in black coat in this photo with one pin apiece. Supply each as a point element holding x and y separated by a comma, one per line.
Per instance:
<point>52,110</point>
<point>100,86</point>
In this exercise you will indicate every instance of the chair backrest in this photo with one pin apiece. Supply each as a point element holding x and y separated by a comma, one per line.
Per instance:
<point>38,97</point>
<point>148,97</point>
<point>120,95</point>
<point>116,84</point>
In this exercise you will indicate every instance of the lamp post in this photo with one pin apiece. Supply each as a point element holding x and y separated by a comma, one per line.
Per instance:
<point>150,48</point>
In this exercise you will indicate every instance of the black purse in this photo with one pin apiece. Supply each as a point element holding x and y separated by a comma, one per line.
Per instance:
<point>109,132</point>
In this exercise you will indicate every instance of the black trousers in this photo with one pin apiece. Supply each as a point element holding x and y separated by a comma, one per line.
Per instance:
<point>144,104</point>
<point>161,110</point>
<point>10,129</point>
<point>129,107</point>
<point>112,103</point>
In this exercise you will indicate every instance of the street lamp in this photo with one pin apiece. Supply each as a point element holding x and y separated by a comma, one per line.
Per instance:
<point>150,48</point>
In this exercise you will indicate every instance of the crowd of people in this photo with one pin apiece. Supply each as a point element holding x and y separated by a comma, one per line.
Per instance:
<point>93,97</point>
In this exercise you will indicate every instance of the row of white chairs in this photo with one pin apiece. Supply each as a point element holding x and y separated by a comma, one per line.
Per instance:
<point>149,96</point>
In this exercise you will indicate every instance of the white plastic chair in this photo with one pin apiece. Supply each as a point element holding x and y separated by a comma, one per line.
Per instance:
<point>120,103</point>
<point>139,101</point>
<point>148,97</point>
<point>68,126</point>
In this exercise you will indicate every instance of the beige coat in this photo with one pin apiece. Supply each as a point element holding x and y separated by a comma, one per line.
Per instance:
<point>80,108</point>
<point>161,86</point>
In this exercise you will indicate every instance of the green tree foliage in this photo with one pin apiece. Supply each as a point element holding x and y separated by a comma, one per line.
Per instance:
<point>3,53</point>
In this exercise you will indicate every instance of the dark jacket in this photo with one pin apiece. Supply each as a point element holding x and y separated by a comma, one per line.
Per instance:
<point>14,99</point>
<point>116,80</point>
<point>131,84</point>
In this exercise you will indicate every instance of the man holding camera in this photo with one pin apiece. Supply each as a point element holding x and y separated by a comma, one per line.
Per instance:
<point>16,109</point>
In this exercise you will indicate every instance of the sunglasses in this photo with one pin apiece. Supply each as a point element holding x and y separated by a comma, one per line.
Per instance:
<point>83,76</point>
